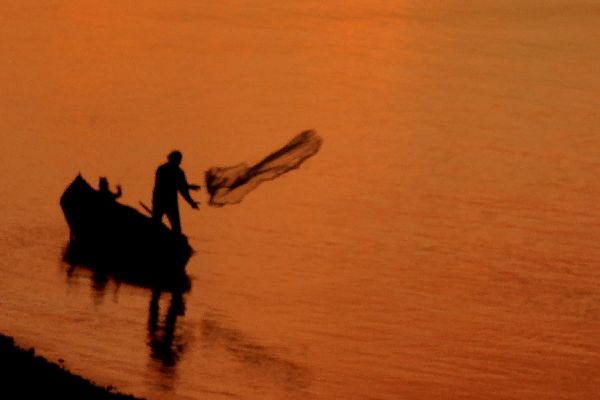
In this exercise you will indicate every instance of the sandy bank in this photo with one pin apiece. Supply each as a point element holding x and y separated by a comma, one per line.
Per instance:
<point>27,376</point>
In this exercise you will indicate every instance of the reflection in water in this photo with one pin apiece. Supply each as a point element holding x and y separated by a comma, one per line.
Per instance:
<point>285,372</point>
<point>125,270</point>
<point>99,282</point>
<point>166,345</point>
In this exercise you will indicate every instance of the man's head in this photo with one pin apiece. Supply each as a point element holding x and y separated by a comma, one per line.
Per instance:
<point>103,183</point>
<point>175,157</point>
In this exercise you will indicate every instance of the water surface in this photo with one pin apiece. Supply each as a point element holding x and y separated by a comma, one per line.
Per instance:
<point>442,244</point>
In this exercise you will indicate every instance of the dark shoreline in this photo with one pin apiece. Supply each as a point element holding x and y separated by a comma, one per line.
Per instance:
<point>25,375</point>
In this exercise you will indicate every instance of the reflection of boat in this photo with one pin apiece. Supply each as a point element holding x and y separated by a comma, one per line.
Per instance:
<point>115,238</point>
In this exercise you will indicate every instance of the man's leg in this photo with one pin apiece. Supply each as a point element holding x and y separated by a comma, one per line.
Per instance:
<point>157,212</point>
<point>173,216</point>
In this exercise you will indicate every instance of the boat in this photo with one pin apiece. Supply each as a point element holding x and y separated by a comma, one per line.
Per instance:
<point>114,238</point>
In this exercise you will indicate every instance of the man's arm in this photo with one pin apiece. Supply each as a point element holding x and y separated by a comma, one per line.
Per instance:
<point>185,191</point>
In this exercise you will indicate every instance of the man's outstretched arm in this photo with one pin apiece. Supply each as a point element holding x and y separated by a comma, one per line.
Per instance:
<point>184,189</point>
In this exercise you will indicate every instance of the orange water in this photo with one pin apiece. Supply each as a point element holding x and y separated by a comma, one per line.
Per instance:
<point>442,244</point>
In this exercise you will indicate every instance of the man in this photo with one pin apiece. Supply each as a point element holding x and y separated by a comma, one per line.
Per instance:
<point>170,179</point>
<point>106,193</point>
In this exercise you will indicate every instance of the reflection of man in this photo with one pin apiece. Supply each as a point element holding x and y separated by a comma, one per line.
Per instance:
<point>170,179</point>
<point>166,346</point>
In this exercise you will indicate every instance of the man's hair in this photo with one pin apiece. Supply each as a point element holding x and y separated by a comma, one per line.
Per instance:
<point>175,156</point>
<point>103,182</point>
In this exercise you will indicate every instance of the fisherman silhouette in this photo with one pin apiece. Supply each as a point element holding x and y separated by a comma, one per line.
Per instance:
<point>170,179</point>
<point>104,190</point>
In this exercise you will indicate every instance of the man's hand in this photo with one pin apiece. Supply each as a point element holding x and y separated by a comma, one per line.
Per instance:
<point>194,187</point>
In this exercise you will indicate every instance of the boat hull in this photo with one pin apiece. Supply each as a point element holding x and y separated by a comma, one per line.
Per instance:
<point>118,239</point>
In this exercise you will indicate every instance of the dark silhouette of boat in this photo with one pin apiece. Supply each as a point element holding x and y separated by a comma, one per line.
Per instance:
<point>114,238</point>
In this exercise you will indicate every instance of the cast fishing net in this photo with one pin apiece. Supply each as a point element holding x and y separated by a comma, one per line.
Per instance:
<point>229,185</point>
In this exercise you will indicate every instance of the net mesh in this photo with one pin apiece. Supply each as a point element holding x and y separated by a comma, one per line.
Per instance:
<point>229,185</point>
